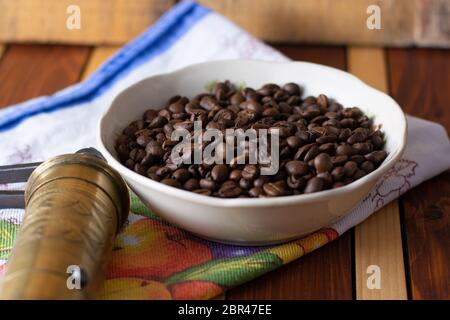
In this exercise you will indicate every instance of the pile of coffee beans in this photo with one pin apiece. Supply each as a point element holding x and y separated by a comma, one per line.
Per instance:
<point>322,144</point>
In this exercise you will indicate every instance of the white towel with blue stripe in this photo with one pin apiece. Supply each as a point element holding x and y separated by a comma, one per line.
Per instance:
<point>189,33</point>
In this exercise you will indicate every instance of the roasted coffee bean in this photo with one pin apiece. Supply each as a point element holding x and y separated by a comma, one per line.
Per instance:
<point>153,176</point>
<point>293,142</point>
<point>362,147</point>
<point>219,173</point>
<point>326,139</point>
<point>143,140</point>
<point>235,175</point>
<point>181,175</point>
<point>191,184</point>
<point>302,151</point>
<point>274,189</point>
<point>204,192</point>
<point>250,172</point>
<point>230,190</point>
<point>322,162</point>
<point>338,173</point>
<point>137,154</point>
<point>296,168</point>
<point>150,114</point>
<point>304,136</point>
<point>158,122</point>
<point>312,153</point>
<point>163,171</point>
<point>171,182</point>
<point>296,182</point>
<point>255,192</point>
<point>176,107</point>
<point>357,158</point>
<point>353,112</point>
<point>208,102</point>
<point>328,148</point>
<point>376,156</point>
<point>345,150</point>
<point>245,184</point>
<point>377,141</point>
<point>260,181</point>
<point>319,120</point>
<point>337,185</point>
<point>292,89</point>
<point>322,145</point>
<point>154,149</point>
<point>356,137</point>
<point>367,166</point>
<point>348,123</point>
<point>207,184</point>
<point>322,100</point>
<point>271,112</point>
<point>313,185</point>
<point>254,106</point>
<point>344,134</point>
<point>184,125</point>
<point>359,174</point>
<point>326,177</point>
<point>130,164</point>
<point>237,98</point>
<point>339,160</point>
<point>350,168</point>
<point>333,115</point>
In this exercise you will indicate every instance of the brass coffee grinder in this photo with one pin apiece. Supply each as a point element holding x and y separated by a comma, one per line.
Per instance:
<point>75,204</point>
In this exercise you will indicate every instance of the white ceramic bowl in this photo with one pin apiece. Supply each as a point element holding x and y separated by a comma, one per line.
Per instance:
<point>263,220</point>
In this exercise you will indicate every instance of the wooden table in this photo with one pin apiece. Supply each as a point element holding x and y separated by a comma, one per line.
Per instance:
<point>409,239</point>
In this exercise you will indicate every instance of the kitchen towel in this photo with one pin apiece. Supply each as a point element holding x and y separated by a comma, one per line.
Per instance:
<point>153,259</point>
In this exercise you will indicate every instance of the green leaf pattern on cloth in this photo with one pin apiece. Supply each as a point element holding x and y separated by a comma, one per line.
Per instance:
<point>153,259</point>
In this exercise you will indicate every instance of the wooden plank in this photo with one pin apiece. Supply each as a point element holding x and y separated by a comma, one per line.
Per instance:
<point>324,274</point>
<point>112,22</point>
<point>28,71</point>
<point>378,240</point>
<point>427,225</point>
<point>419,81</point>
<point>98,56</point>
<point>321,21</point>
<point>403,22</point>
<point>327,272</point>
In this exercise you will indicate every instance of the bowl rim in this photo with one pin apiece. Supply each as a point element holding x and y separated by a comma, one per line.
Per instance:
<point>253,202</point>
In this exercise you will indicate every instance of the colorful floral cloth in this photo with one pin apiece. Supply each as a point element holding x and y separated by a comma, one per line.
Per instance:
<point>155,260</point>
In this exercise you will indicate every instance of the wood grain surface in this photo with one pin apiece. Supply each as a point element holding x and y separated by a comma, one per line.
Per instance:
<point>112,21</point>
<point>378,240</point>
<point>419,81</point>
<point>322,274</point>
<point>321,21</point>
<point>97,58</point>
<point>28,71</point>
